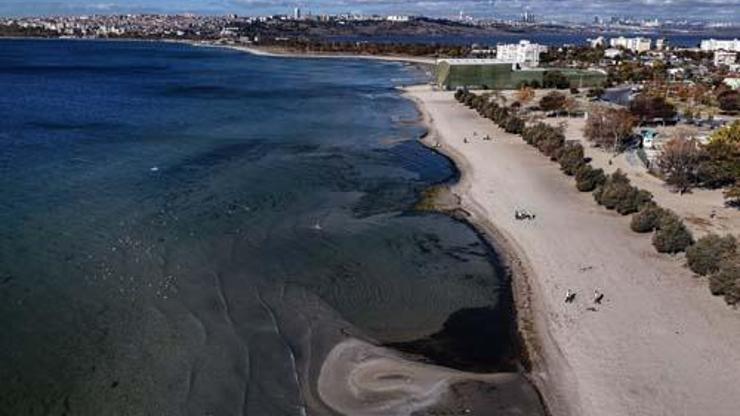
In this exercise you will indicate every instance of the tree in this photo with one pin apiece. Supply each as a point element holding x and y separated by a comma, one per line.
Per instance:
<point>525,94</point>
<point>650,107</point>
<point>729,134</point>
<point>720,166</point>
<point>555,79</point>
<point>709,252</point>
<point>554,101</point>
<point>679,161</point>
<point>609,127</point>
<point>729,100</point>
<point>570,105</point>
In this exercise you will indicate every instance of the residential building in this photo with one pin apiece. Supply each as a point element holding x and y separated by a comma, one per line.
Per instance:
<point>724,58</point>
<point>524,53</point>
<point>399,19</point>
<point>638,44</point>
<point>599,42</point>
<point>612,53</point>
<point>733,83</point>
<point>709,45</point>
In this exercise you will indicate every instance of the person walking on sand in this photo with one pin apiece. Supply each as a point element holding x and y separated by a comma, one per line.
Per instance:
<point>598,297</point>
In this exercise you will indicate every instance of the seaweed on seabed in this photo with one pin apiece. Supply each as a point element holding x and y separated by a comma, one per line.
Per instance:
<point>428,200</point>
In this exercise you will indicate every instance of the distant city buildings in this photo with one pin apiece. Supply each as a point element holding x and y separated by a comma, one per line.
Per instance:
<point>524,53</point>
<point>400,19</point>
<point>528,17</point>
<point>637,44</point>
<point>710,45</point>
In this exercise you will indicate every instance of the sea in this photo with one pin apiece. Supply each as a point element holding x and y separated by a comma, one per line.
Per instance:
<point>187,230</point>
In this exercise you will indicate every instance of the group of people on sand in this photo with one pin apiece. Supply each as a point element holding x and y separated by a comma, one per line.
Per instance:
<point>570,296</point>
<point>475,134</point>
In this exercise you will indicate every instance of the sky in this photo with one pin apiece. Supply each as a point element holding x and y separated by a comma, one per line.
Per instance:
<point>720,10</point>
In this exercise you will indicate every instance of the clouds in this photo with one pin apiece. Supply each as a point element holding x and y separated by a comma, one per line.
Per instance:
<point>726,10</point>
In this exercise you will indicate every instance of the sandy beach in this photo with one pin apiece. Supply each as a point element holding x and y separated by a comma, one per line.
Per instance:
<point>659,344</point>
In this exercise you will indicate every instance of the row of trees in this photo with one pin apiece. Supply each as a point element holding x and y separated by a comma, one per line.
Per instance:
<point>370,48</point>
<point>712,255</point>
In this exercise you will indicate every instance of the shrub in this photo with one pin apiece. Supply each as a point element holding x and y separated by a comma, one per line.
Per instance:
<point>588,178</point>
<point>553,101</point>
<point>617,193</point>
<point>634,201</point>
<point>726,281</point>
<point>616,187</point>
<point>672,236</point>
<point>513,124</point>
<point>571,158</point>
<point>705,256</point>
<point>648,219</point>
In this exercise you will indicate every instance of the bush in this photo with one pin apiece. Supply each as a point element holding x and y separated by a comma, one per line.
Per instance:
<point>705,256</point>
<point>553,101</point>
<point>514,125</point>
<point>634,201</point>
<point>588,178</point>
<point>616,187</point>
<point>672,236</point>
<point>648,219</point>
<point>571,158</point>
<point>726,281</point>
<point>617,194</point>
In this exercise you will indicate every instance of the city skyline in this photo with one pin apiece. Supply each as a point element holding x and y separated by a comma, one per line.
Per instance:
<point>720,10</point>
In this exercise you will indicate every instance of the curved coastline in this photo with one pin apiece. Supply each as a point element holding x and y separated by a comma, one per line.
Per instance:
<point>656,345</point>
<point>527,323</point>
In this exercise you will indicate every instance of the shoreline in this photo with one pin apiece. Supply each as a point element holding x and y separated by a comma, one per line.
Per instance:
<point>657,344</point>
<point>512,257</point>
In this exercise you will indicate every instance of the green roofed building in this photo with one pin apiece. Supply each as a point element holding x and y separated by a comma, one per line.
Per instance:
<point>499,75</point>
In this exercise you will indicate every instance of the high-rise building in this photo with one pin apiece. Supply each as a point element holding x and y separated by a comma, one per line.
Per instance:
<point>297,13</point>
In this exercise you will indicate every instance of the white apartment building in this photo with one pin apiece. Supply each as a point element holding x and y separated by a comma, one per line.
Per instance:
<point>724,58</point>
<point>637,44</point>
<point>398,18</point>
<point>720,45</point>
<point>524,52</point>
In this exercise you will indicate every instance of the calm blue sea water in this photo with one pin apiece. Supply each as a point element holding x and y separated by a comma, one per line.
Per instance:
<point>187,230</point>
